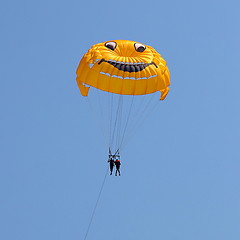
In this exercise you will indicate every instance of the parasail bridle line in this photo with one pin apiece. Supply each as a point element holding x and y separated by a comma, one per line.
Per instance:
<point>96,204</point>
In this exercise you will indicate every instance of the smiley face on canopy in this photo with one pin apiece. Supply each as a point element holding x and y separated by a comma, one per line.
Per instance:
<point>123,67</point>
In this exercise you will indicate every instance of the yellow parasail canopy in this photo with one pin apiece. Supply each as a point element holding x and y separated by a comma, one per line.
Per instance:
<point>123,67</point>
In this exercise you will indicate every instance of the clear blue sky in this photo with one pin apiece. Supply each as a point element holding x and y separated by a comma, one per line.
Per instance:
<point>180,173</point>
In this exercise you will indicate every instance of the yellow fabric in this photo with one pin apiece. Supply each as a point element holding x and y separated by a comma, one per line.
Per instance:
<point>96,70</point>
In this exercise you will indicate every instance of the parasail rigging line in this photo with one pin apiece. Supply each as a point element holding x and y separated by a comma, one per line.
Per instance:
<point>118,113</point>
<point>96,204</point>
<point>126,125</point>
<point>111,110</point>
<point>141,116</point>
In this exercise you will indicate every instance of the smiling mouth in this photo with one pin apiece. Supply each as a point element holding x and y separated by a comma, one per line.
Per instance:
<point>128,67</point>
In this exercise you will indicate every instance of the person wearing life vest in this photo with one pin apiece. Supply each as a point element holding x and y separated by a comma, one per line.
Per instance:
<point>111,163</point>
<point>117,164</point>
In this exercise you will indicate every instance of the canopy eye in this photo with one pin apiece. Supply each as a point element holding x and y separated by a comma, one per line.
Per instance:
<point>139,47</point>
<point>111,45</point>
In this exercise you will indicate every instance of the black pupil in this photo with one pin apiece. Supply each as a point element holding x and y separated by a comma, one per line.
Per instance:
<point>140,49</point>
<point>110,46</point>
